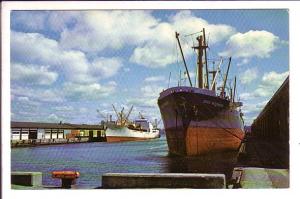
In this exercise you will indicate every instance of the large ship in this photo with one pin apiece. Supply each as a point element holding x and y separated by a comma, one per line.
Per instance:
<point>124,130</point>
<point>200,120</point>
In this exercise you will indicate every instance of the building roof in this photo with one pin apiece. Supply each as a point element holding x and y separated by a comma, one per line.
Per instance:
<point>55,125</point>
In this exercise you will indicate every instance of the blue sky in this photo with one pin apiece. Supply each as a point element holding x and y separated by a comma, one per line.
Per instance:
<point>67,64</point>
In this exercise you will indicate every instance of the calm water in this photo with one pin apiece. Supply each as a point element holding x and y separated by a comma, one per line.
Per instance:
<point>94,159</point>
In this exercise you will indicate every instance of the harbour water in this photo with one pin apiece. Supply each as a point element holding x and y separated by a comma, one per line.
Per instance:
<point>94,159</point>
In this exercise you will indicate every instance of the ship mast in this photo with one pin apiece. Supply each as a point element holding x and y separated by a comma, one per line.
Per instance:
<point>187,71</point>
<point>127,116</point>
<point>201,47</point>
<point>205,56</point>
<point>213,72</point>
<point>234,88</point>
<point>224,84</point>
<point>121,116</point>
<point>118,118</point>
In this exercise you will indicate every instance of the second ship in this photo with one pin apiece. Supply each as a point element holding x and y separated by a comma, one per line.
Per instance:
<point>125,130</point>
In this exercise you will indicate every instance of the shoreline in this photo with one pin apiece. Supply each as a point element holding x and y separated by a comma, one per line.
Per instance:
<point>47,142</point>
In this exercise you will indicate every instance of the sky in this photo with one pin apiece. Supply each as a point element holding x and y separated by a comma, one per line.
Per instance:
<point>66,65</point>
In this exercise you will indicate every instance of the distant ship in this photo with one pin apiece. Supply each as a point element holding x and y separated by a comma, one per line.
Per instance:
<point>198,120</point>
<point>125,130</point>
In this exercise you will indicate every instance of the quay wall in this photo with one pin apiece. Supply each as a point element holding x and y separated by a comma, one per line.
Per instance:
<point>163,180</point>
<point>269,136</point>
<point>38,142</point>
<point>273,121</point>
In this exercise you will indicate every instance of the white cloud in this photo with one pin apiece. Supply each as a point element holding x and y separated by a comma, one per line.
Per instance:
<point>152,56</point>
<point>262,104</point>
<point>105,67</point>
<point>73,65</point>
<point>32,74</point>
<point>142,102</point>
<point>26,102</point>
<point>158,49</point>
<point>249,75</point>
<point>148,96</point>
<point>64,108</point>
<point>192,74</point>
<point>253,43</point>
<point>36,49</point>
<point>94,91</point>
<point>252,110</point>
<point>23,99</point>
<point>246,96</point>
<point>54,118</point>
<point>126,69</point>
<point>152,39</point>
<point>274,78</point>
<point>186,23</point>
<point>243,62</point>
<point>249,120</point>
<point>151,91</point>
<point>270,83</point>
<point>69,91</point>
<point>38,94</point>
<point>155,79</point>
<point>98,30</point>
<point>83,110</point>
<point>33,48</point>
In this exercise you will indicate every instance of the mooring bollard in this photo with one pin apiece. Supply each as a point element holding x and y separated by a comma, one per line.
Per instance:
<point>68,178</point>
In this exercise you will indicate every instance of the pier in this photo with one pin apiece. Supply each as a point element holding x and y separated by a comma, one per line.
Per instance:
<point>264,154</point>
<point>273,121</point>
<point>269,137</point>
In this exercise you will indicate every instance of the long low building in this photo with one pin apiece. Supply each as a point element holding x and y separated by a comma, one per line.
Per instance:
<point>37,130</point>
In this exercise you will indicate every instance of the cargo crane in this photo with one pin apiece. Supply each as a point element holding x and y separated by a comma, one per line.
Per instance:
<point>122,118</point>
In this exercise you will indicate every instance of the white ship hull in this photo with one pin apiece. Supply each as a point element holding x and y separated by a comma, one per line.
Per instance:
<point>118,133</point>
